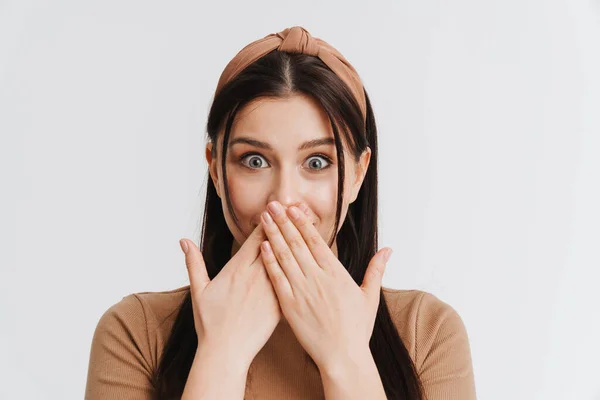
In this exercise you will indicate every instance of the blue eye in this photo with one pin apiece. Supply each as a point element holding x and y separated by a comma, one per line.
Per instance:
<point>251,157</point>
<point>319,162</point>
<point>254,161</point>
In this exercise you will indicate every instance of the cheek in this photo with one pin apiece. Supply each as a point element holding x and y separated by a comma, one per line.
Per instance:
<point>244,205</point>
<point>325,200</point>
<point>323,203</point>
<point>247,195</point>
<point>329,199</point>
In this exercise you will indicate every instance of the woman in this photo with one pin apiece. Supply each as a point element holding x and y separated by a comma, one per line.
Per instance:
<point>284,301</point>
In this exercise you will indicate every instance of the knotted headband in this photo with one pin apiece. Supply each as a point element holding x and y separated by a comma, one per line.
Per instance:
<point>297,40</point>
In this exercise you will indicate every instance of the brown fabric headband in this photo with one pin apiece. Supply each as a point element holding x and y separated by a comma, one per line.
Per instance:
<point>297,40</point>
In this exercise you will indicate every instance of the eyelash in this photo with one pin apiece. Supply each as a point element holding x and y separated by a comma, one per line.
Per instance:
<point>328,159</point>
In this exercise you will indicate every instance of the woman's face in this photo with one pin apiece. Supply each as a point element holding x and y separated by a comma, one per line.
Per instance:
<point>284,150</point>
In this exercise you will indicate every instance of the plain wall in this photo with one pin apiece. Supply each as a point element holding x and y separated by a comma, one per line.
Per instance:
<point>489,122</point>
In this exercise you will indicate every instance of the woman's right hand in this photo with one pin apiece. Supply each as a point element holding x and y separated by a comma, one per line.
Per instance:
<point>236,312</point>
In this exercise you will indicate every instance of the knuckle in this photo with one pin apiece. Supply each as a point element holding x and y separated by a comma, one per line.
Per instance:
<point>269,259</point>
<point>285,255</point>
<point>314,239</point>
<point>278,278</point>
<point>189,263</point>
<point>296,242</point>
<point>302,222</point>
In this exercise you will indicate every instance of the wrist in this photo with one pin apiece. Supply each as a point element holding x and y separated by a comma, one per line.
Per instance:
<point>222,359</point>
<point>215,375</point>
<point>344,364</point>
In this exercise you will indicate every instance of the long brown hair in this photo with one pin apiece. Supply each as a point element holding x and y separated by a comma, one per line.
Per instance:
<point>279,75</point>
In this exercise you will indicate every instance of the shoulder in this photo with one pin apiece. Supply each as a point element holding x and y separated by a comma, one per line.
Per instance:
<point>424,321</point>
<point>162,306</point>
<point>136,326</point>
<point>145,308</point>
<point>128,342</point>
<point>418,307</point>
<point>436,338</point>
<point>141,319</point>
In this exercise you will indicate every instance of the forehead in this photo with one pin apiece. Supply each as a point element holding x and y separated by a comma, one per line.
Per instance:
<point>293,119</point>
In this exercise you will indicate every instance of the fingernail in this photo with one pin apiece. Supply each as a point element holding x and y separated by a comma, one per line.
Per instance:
<point>274,208</point>
<point>266,247</point>
<point>267,218</point>
<point>304,208</point>
<point>184,245</point>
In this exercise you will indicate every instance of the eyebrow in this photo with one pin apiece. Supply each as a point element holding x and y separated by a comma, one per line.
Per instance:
<point>263,145</point>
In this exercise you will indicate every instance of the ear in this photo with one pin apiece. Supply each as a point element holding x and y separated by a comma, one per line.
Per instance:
<point>212,166</point>
<point>361,171</point>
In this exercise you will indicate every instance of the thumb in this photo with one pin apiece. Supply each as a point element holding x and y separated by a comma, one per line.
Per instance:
<point>374,273</point>
<point>195,266</point>
<point>250,249</point>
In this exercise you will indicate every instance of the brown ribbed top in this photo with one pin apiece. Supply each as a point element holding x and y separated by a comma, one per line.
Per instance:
<point>130,336</point>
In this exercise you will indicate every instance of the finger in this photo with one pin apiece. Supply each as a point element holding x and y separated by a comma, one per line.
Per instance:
<point>250,249</point>
<point>294,239</point>
<point>319,249</point>
<point>374,274</point>
<point>279,280</point>
<point>304,208</point>
<point>195,266</point>
<point>282,251</point>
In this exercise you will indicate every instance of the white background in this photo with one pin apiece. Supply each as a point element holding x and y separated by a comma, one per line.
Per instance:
<point>489,123</point>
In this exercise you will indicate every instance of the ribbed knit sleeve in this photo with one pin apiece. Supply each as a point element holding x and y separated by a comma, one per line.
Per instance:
<point>442,351</point>
<point>120,365</point>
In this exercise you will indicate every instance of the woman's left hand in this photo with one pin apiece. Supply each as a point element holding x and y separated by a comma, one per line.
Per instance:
<point>331,316</point>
